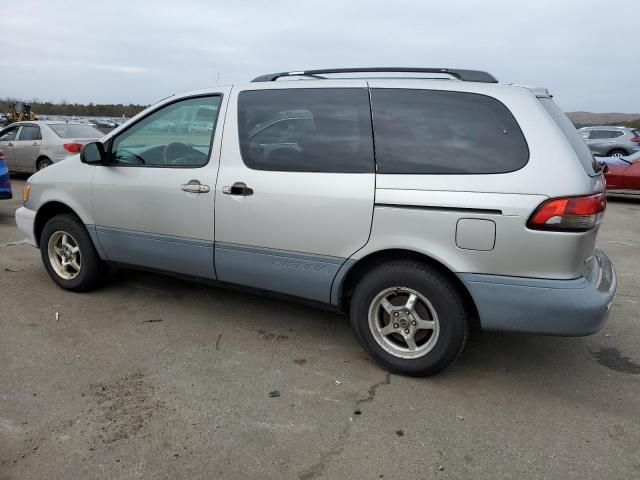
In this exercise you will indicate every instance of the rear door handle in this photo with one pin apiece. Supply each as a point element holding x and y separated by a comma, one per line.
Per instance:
<point>238,188</point>
<point>194,186</point>
<point>35,144</point>
<point>10,144</point>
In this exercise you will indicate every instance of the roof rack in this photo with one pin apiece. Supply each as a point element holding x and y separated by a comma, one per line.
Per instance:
<point>464,75</point>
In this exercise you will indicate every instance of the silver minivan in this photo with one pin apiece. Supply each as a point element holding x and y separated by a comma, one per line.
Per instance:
<point>419,206</point>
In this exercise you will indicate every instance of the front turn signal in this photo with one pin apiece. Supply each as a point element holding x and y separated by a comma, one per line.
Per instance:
<point>26,191</point>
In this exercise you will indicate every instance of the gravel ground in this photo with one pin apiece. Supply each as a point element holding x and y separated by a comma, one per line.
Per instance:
<point>154,377</point>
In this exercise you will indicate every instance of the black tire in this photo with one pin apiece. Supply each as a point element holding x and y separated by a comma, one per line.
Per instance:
<point>617,153</point>
<point>443,297</point>
<point>92,272</point>
<point>43,163</point>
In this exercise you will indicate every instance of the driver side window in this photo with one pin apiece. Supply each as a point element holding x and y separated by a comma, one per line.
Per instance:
<point>178,135</point>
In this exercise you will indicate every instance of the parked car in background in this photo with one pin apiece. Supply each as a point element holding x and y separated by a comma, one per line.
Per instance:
<point>485,211</point>
<point>5,179</point>
<point>611,141</point>
<point>4,120</point>
<point>623,176</point>
<point>32,146</point>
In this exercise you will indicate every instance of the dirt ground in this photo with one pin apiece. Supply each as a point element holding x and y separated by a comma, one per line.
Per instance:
<point>154,377</point>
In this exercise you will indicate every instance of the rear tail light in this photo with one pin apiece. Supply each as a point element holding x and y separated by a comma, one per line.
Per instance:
<point>569,214</point>
<point>73,147</point>
<point>1,155</point>
<point>636,139</point>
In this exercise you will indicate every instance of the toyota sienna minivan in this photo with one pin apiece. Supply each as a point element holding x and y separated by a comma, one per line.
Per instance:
<point>419,206</point>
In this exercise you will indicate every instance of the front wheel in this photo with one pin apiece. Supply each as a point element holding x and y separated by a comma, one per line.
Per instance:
<point>411,319</point>
<point>69,256</point>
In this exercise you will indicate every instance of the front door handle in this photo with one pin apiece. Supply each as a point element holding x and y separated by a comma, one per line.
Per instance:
<point>194,186</point>
<point>10,144</point>
<point>238,188</point>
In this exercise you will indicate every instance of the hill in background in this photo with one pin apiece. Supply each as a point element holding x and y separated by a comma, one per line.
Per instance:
<point>586,119</point>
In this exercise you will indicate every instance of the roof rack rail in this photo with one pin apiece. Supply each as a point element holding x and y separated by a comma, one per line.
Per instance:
<point>464,75</point>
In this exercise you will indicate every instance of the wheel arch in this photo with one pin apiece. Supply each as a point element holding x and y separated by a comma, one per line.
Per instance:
<point>356,271</point>
<point>48,211</point>
<point>617,149</point>
<point>39,159</point>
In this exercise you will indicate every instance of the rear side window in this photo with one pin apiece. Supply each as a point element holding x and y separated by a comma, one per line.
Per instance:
<point>602,134</point>
<point>570,132</point>
<point>442,132</point>
<point>617,133</point>
<point>306,130</point>
<point>30,132</point>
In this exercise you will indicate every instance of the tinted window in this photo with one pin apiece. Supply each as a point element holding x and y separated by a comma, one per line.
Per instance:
<point>439,132</point>
<point>617,133</point>
<point>30,132</point>
<point>74,130</point>
<point>9,134</point>
<point>570,132</point>
<point>177,135</point>
<point>306,130</point>
<point>601,134</point>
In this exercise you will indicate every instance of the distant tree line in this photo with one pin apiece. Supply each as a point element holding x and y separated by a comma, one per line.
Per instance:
<point>80,110</point>
<point>634,124</point>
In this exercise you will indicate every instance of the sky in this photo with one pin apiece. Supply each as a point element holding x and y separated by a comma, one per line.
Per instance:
<point>139,51</point>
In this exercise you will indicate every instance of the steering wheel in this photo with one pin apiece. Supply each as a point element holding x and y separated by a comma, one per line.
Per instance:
<point>175,151</point>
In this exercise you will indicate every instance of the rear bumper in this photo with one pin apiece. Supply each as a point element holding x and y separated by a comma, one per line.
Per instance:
<point>550,307</point>
<point>25,219</point>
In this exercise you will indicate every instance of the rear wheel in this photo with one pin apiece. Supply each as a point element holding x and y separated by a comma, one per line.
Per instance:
<point>69,255</point>
<point>617,153</point>
<point>43,163</point>
<point>410,318</point>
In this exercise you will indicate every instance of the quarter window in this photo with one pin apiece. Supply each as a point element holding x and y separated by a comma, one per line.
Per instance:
<point>30,132</point>
<point>442,132</point>
<point>306,130</point>
<point>178,135</point>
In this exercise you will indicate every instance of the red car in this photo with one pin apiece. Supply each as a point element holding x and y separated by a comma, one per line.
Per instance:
<point>624,174</point>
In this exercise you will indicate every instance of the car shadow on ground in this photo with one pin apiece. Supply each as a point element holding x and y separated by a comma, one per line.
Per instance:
<point>487,353</point>
<point>635,199</point>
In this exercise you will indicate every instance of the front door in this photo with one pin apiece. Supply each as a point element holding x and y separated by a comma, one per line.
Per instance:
<point>154,204</point>
<point>295,194</point>
<point>27,147</point>
<point>7,141</point>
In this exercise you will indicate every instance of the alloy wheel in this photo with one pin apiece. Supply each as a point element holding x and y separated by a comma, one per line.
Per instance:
<point>403,322</point>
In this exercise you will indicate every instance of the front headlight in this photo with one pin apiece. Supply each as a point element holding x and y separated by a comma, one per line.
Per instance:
<point>26,191</point>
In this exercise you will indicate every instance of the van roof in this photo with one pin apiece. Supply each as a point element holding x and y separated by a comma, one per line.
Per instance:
<point>459,74</point>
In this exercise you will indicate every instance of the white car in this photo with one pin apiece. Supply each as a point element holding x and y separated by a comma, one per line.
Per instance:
<point>31,146</point>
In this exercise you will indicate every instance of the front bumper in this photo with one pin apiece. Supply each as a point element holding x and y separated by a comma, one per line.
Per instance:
<point>549,307</point>
<point>26,219</point>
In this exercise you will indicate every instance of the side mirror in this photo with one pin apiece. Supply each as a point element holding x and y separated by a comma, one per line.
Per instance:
<point>93,154</point>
